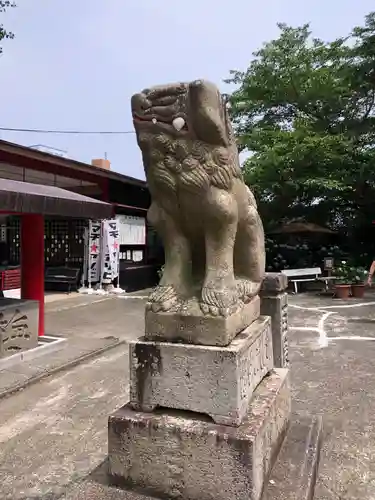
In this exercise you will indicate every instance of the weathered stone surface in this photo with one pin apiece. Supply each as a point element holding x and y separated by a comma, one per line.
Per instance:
<point>217,381</point>
<point>181,455</point>
<point>276,306</point>
<point>205,214</point>
<point>19,321</point>
<point>196,328</point>
<point>274,283</point>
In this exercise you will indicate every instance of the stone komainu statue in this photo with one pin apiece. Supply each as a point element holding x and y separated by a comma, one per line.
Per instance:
<point>205,214</point>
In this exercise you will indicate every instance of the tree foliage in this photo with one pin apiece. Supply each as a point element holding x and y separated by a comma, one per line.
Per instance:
<point>305,111</point>
<point>4,5</point>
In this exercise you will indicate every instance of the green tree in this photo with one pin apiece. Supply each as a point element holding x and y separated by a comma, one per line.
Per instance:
<point>304,110</point>
<point>4,5</point>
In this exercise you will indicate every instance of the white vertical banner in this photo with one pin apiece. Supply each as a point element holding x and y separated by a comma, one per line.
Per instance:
<point>110,251</point>
<point>94,250</point>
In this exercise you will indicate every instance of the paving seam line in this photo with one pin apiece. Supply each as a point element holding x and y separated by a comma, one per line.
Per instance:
<point>355,319</point>
<point>64,366</point>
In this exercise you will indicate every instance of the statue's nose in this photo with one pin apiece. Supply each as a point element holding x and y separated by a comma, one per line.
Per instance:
<point>140,103</point>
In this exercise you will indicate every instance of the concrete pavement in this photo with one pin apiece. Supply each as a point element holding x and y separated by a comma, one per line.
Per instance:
<point>53,434</point>
<point>333,373</point>
<point>91,324</point>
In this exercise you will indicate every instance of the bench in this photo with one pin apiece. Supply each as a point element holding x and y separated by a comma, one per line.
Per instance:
<point>66,276</point>
<point>302,275</point>
<point>136,277</point>
<point>10,279</point>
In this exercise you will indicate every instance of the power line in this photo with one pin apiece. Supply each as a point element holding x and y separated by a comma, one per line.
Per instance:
<point>42,131</point>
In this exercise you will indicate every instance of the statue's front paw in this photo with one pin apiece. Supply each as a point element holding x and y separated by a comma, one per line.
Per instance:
<point>163,298</point>
<point>219,301</point>
<point>248,289</point>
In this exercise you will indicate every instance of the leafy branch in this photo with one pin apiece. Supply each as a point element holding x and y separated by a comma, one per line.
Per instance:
<point>4,5</point>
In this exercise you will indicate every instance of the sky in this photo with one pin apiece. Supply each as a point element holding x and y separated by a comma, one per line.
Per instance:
<point>74,64</point>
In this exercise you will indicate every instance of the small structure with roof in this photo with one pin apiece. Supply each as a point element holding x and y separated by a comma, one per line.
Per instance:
<point>64,244</point>
<point>20,326</point>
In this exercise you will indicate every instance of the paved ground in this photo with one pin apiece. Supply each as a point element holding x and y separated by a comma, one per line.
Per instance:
<point>333,374</point>
<point>54,433</point>
<point>120,317</point>
<point>89,323</point>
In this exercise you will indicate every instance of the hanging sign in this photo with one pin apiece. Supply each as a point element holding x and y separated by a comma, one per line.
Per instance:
<point>110,251</point>
<point>94,250</point>
<point>132,230</point>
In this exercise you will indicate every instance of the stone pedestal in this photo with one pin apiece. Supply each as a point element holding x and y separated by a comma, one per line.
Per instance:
<point>184,455</point>
<point>190,326</point>
<point>274,303</point>
<point>216,381</point>
<point>206,422</point>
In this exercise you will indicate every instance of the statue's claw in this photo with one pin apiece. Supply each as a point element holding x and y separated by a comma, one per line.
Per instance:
<point>162,298</point>
<point>247,289</point>
<point>219,301</point>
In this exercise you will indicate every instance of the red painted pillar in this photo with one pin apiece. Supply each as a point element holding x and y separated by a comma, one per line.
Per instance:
<point>32,261</point>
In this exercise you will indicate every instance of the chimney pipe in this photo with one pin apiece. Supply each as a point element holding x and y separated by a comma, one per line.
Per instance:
<point>100,163</point>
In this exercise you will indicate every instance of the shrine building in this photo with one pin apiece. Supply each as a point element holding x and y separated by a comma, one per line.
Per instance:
<point>63,234</point>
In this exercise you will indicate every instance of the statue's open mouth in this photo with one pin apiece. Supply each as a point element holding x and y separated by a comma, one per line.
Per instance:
<point>178,122</point>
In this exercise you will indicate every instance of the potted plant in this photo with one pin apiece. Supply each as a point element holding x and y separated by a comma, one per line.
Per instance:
<point>358,282</point>
<point>344,281</point>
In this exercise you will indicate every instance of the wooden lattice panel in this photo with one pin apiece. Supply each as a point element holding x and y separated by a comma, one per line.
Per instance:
<point>63,241</point>
<point>13,237</point>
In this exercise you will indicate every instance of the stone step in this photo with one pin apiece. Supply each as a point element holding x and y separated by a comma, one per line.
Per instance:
<point>294,474</point>
<point>184,455</point>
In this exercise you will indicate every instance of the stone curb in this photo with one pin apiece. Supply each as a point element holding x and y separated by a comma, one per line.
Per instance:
<point>295,473</point>
<point>69,364</point>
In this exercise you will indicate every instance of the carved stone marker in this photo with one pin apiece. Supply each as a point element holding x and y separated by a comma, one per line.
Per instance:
<point>18,326</point>
<point>208,411</point>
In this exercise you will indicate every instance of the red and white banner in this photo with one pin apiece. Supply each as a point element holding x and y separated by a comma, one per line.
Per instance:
<point>102,252</point>
<point>110,251</point>
<point>94,240</point>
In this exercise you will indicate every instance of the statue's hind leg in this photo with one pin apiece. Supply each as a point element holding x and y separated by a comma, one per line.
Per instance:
<point>249,254</point>
<point>219,292</point>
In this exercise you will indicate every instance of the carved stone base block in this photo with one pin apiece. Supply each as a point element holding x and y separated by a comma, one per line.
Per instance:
<point>197,328</point>
<point>217,381</point>
<point>19,320</point>
<point>181,455</point>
